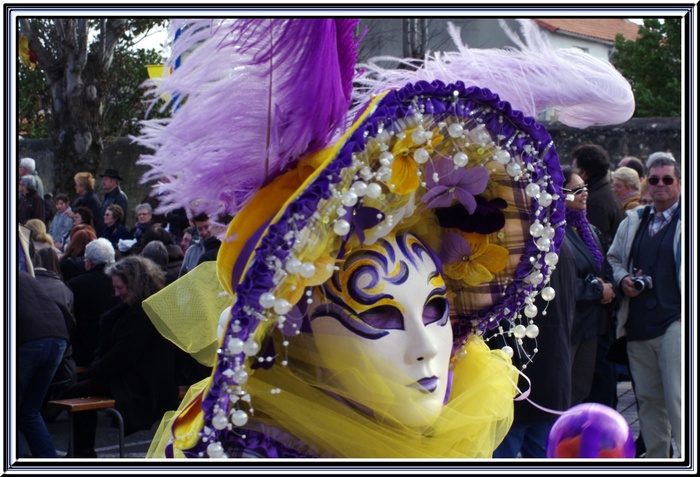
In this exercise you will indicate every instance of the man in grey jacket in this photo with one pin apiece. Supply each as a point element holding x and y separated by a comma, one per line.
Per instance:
<point>646,260</point>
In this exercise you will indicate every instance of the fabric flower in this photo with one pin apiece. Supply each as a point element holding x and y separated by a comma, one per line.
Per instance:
<point>404,170</point>
<point>471,259</point>
<point>461,184</point>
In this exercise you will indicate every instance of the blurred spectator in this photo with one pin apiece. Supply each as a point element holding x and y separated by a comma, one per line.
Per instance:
<point>61,224</point>
<point>25,250</point>
<point>32,204</point>
<point>156,251</point>
<point>594,290</point>
<point>27,167</point>
<point>175,254</point>
<point>72,261</point>
<point>85,188</point>
<point>197,247</point>
<point>133,362</point>
<point>49,210</point>
<point>83,215</point>
<point>48,273</point>
<point>114,195</point>
<point>93,295</point>
<point>186,238</point>
<point>113,230</point>
<point>42,339</point>
<point>626,186</point>
<point>174,221</point>
<point>633,163</point>
<point>39,236</point>
<point>144,220</point>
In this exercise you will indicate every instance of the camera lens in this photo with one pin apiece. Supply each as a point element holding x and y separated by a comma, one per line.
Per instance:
<point>638,284</point>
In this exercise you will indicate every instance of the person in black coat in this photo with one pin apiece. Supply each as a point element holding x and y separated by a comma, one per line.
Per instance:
<point>93,296</point>
<point>133,362</point>
<point>32,204</point>
<point>42,339</point>
<point>549,372</point>
<point>595,292</point>
<point>85,188</point>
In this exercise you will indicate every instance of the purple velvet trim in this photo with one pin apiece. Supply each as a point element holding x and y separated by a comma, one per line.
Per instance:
<point>395,105</point>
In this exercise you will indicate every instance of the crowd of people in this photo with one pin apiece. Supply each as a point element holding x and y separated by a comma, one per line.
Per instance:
<point>81,327</point>
<point>83,276</point>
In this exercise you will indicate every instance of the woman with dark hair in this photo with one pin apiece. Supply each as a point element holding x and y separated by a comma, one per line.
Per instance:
<point>594,289</point>
<point>72,259</point>
<point>133,362</point>
<point>113,229</point>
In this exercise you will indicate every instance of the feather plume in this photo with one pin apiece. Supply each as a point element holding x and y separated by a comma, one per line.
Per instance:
<point>581,89</point>
<point>248,98</point>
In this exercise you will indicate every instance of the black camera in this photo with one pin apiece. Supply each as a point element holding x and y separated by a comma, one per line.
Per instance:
<point>642,282</point>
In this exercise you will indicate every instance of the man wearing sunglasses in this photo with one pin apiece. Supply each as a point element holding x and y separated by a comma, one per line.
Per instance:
<point>646,260</point>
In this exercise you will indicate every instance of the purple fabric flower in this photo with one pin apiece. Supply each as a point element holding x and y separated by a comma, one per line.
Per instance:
<point>361,219</point>
<point>454,248</point>
<point>461,184</point>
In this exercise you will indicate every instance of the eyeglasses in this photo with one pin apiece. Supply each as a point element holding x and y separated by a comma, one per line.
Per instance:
<point>578,190</point>
<point>143,214</point>
<point>667,180</point>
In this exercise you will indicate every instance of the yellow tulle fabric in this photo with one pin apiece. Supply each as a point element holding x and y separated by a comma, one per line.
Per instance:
<point>187,311</point>
<point>317,417</point>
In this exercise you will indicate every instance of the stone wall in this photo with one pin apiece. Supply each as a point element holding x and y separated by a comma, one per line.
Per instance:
<point>636,137</point>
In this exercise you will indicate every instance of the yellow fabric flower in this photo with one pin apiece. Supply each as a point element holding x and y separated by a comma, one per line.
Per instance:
<point>404,170</point>
<point>471,259</point>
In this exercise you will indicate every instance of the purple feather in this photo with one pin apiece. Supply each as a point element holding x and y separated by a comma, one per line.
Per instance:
<point>253,96</point>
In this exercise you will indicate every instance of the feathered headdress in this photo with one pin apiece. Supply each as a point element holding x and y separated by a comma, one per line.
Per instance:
<point>436,152</point>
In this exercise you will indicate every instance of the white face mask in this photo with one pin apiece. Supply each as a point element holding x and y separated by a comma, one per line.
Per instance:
<point>388,302</point>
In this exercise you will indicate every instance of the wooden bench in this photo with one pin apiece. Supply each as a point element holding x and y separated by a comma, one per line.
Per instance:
<point>95,403</point>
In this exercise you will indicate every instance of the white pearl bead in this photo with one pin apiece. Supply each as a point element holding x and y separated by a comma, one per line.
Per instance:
<point>532,331</point>
<point>543,244</point>
<point>251,347</point>
<point>384,173</point>
<point>514,169</point>
<point>341,227</point>
<point>551,259</point>
<point>267,300</point>
<point>548,293</point>
<point>386,158</point>
<point>536,229</point>
<point>374,190</point>
<point>240,376</point>
<point>536,277</point>
<point>349,198</point>
<point>519,331</point>
<point>508,350</point>
<point>532,189</point>
<point>530,311</point>
<point>308,269</point>
<point>419,136</point>
<point>239,418</point>
<point>215,450</point>
<point>455,130</point>
<point>235,346</point>
<point>282,306</point>
<point>360,188</point>
<point>548,232</point>
<point>460,159</point>
<point>421,156</point>
<point>502,157</point>
<point>545,199</point>
<point>219,421</point>
<point>292,266</point>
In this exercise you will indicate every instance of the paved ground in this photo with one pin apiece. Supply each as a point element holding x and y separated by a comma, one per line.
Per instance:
<point>136,445</point>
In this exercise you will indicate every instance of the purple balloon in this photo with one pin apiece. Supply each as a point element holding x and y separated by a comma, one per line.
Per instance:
<point>591,430</point>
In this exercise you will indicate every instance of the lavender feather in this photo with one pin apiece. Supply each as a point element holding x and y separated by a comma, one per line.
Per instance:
<point>581,89</point>
<point>248,98</point>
